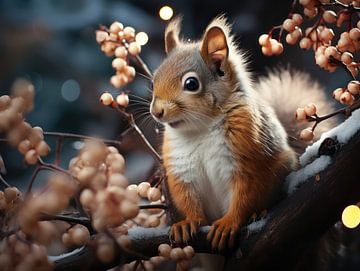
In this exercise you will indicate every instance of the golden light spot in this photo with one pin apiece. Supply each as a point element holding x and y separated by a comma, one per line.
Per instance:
<point>166,13</point>
<point>351,216</point>
<point>141,38</point>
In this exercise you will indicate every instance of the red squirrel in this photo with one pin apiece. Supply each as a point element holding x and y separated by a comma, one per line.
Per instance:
<point>225,150</point>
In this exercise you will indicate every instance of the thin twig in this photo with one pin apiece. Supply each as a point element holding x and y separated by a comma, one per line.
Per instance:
<point>85,221</point>
<point>4,182</point>
<point>153,206</point>
<point>345,110</point>
<point>58,150</point>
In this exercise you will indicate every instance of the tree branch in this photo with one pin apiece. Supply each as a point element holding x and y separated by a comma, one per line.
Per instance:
<point>290,227</point>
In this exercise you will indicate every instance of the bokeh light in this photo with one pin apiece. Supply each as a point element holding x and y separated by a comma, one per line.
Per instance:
<point>351,216</point>
<point>141,38</point>
<point>70,90</point>
<point>166,13</point>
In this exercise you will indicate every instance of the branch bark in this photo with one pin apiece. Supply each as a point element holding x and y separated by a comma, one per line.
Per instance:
<point>290,226</point>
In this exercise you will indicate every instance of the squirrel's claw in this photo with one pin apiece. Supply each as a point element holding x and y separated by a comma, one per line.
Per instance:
<point>222,234</point>
<point>183,231</point>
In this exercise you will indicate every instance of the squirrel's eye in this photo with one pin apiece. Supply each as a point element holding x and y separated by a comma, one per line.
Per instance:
<point>191,82</point>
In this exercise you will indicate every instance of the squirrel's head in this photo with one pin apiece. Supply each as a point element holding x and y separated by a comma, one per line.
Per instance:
<point>196,78</point>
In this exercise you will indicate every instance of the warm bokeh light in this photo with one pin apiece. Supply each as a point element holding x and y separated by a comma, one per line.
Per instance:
<point>166,13</point>
<point>351,216</point>
<point>141,38</point>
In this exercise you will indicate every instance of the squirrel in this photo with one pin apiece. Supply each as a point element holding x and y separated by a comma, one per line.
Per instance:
<point>228,142</point>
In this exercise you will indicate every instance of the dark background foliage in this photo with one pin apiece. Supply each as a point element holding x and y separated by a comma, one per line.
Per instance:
<point>52,43</point>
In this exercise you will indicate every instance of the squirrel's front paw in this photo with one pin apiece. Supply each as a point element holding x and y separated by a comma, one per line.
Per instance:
<point>223,234</point>
<point>183,231</point>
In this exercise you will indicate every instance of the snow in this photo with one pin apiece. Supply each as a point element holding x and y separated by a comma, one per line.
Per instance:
<point>296,178</point>
<point>343,133</point>
<point>256,226</point>
<point>60,257</point>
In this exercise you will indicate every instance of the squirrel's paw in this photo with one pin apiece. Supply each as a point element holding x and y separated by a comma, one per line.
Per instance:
<point>183,231</point>
<point>223,234</point>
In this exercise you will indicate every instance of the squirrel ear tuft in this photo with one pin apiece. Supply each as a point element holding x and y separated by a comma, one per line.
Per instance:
<point>172,34</point>
<point>214,46</point>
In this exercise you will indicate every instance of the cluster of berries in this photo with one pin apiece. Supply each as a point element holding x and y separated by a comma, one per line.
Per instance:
<point>18,254</point>
<point>303,114</point>
<point>119,41</point>
<point>347,95</point>
<point>328,54</point>
<point>182,256</point>
<point>76,236</point>
<point>29,140</point>
<point>121,100</point>
<point>9,198</point>
<point>99,170</point>
<point>52,199</point>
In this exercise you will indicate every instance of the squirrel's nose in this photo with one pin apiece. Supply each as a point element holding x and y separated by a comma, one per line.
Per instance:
<point>157,111</point>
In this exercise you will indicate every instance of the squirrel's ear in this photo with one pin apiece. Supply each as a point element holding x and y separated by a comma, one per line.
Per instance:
<point>214,47</point>
<point>172,34</point>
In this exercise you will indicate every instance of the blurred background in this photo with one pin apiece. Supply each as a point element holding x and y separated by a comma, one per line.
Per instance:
<point>52,44</point>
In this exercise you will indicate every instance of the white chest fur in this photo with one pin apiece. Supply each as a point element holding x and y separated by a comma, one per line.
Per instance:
<point>205,162</point>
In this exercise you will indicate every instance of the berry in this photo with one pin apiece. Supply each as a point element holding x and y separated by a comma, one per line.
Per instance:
<point>116,27</point>
<point>122,99</point>
<point>300,114</point>
<point>264,40</point>
<point>307,134</point>
<point>134,48</point>
<point>354,87</point>
<point>289,25</point>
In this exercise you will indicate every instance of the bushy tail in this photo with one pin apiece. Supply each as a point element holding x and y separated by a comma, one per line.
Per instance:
<point>287,90</point>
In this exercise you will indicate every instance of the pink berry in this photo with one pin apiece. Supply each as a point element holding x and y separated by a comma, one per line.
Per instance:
<point>106,98</point>
<point>121,52</point>
<point>289,25</point>
<point>277,48</point>
<point>143,189</point>
<point>354,87</point>
<point>115,27</point>
<point>307,134</point>
<point>300,114</point>
<point>101,36</point>
<point>310,109</point>
<point>177,254</point>
<point>337,93</point>
<point>354,34</point>
<point>134,48</point>
<point>346,98</point>
<point>189,252</point>
<point>122,99</point>
<point>267,50</point>
<point>305,43</point>
<point>129,33</point>
<point>297,18</point>
<point>119,64</point>
<point>264,40</point>
<point>154,194</point>
<point>329,16</point>
<point>129,72</point>
<point>164,250</point>
<point>346,58</point>
<point>310,12</point>
<point>31,157</point>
